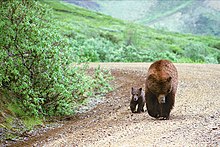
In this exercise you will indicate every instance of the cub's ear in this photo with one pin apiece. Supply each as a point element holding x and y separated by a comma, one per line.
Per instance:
<point>132,89</point>
<point>140,89</point>
<point>169,79</point>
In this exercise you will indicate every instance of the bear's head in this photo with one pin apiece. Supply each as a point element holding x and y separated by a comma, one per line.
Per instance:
<point>136,93</point>
<point>160,86</point>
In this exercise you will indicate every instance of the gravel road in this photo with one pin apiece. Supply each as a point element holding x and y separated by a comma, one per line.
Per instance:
<point>194,121</point>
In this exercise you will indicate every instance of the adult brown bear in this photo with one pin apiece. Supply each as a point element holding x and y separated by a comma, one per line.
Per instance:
<point>160,88</point>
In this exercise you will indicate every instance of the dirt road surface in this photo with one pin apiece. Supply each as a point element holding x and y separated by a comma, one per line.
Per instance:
<point>194,121</point>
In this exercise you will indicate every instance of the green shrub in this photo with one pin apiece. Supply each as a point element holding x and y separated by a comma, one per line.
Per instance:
<point>35,61</point>
<point>216,45</point>
<point>200,53</point>
<point>100,78</point>
<point>153,55</point>
<point>131,35</point>
<point>110,37</point>
<point>33,64</point>
<point>93,49</point>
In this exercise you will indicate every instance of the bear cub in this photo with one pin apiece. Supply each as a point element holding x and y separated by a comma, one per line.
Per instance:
<point>137,100</point>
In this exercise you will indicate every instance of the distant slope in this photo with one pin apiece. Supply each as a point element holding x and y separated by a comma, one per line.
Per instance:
<point>197,17</point>
<point>185,16</point>
<point>85,3</point>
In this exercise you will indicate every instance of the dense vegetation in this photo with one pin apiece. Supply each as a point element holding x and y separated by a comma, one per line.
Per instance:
<point>41,75</point>
<point>100,38</point>
<point>37,77</point>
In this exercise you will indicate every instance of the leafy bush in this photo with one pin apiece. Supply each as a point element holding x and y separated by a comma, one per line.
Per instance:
<point>200,53</point>
<point>216,45</point>
<point>130,35</point>
<point>34,61</point>
<point>93,49</point>
<point>152,55</point>
<point>109,37</point>
<point>30,57</point>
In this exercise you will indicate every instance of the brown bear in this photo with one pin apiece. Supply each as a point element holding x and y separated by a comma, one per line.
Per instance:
<point>160,88</point>
<point>137,99</point>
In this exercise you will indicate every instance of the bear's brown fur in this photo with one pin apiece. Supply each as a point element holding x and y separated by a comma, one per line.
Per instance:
<point>137,99</point>
<point>160,88</point>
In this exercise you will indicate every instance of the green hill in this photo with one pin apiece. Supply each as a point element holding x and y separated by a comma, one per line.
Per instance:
<point>185,16</point>
<point>102,38</point>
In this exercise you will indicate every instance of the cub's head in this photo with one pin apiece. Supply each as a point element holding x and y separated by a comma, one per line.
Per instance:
<point>136,93</point>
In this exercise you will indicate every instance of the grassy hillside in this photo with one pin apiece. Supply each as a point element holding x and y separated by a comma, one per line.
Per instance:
<point>185,16</point>
<point>98,37</point>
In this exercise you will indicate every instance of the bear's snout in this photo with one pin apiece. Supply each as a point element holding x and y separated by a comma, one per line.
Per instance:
<point>135,97</point>
<point>161,99</point>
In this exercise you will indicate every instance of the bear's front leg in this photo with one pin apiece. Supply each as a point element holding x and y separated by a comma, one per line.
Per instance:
<point>133,107</point>
<point>140,108</point>
<point>164,111</point>
<point>167,107</point>
<point>152,105</point>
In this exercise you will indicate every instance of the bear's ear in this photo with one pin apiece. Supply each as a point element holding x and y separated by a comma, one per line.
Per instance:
<point>140,89</point>
<point>169,79</point>
<point>132,89</point>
